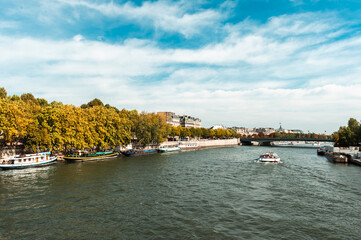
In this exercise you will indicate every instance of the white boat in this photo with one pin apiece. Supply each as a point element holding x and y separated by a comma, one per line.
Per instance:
<point>169,148</point>
<point>27,160</point>
<point>269,157</point>
<point>188,145</point>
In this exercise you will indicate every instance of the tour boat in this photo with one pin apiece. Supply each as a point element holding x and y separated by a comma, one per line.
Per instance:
<point>28,160</point>
<point>83,156</point>
<point>169,149</point>
<point>138,152</point>
<point>188,145</point>
<point>269,157</point>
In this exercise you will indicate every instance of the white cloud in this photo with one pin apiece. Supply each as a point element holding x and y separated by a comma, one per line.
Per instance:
<point>305,78</point>
<point>164,15</point>
<point>78,38</point>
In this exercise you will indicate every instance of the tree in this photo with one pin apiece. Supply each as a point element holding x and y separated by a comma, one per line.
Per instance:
<point>14,120</point>
<point>28,97</point>
<point>348,136</point>
<point>3,93</point>
<point>95,102</point>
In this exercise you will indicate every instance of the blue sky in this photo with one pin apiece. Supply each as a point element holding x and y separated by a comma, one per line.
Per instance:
<point>237,63</point>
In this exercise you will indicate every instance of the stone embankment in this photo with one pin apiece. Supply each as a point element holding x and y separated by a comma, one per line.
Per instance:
<point>9,151</point>
<point>203,143</point>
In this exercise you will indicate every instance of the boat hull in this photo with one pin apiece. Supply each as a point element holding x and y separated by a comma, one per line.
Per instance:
<point>164,150</point>
<point>28,165</point>
<point>133,153</point>
<point>336,158</point>
<point>270,160</point>
<point>82,159</point>
<point>321,152</point>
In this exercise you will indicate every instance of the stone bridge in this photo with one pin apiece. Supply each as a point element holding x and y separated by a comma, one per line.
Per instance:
<point>267,141</point>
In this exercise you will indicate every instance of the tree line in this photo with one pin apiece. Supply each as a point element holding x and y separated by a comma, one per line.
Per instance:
<point>349,135</point>
<point>38,124</point>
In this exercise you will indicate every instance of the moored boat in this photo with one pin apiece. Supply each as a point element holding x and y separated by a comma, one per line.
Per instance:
<point>28,160</point>
<point>138,152</point>
<point>269,157</point>
<point>336,157</point>
<point>321,151</point>
<point>188,145</point>
<point>83,156</point>
<point>166,148</point>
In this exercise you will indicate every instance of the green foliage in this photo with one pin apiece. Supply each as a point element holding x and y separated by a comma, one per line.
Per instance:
<point>3,93</point>
<point>42,102</point>
<point>206,133</point>
<point>349,135</point>
<point>95,102</point>
<point>148,128</point>
<point>28,97</point>
<point>55,126</point>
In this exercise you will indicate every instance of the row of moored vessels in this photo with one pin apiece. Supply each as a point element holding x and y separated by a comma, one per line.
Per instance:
<point>45,158</point>
<point>162,149</point>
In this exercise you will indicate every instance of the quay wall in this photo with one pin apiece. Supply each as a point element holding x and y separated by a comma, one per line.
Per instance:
<point>206,142</point>
<point>218,142</point>
<point>9,151</point>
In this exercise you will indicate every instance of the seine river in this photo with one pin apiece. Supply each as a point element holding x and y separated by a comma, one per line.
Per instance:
<point>219,193</point>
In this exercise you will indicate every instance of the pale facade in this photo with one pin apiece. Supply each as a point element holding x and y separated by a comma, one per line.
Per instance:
<point>183,121</point>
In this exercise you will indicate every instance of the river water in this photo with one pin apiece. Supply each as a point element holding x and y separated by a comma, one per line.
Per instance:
<point>218,193</point>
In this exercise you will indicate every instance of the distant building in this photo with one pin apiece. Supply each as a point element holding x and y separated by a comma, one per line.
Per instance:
<point>218,127</point>
<point>183,121</point>
<point>295,131</point>
<point>171,118</point>
<point>265,131</point>
<point>190,122</point>
<point>240,130</point>
<point>281,130</point>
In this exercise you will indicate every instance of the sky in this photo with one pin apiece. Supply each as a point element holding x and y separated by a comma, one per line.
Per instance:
<point>246,63</point>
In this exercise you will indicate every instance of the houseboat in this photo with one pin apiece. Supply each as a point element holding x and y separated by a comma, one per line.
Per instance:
<point>167,148</point>
<point>336,157</point>
<point>28,160</point>
<point>138,152</point>
<point>85,156</point>
<point>188,145</point>
<point>321,151</point>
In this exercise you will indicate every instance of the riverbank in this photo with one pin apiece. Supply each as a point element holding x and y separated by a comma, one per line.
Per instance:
<point>9,151</point>
<point>205,143</point>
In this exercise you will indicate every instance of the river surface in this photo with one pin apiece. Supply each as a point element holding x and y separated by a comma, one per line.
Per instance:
<point>218,193</point>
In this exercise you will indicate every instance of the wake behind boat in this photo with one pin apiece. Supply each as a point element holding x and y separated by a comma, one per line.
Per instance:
<point>28,160</point>
<point>269,157</point>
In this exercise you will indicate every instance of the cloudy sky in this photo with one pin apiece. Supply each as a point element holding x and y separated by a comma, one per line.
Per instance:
<point>245,63</point>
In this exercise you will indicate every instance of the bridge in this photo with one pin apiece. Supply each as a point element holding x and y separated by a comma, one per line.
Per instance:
<point>267,141</point>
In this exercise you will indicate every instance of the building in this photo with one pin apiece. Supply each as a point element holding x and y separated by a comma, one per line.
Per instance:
<point>218,127</point>
<point>265,131</point>
<point>183,121</point>
<point>190,122</point>
<point>171,118</point>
